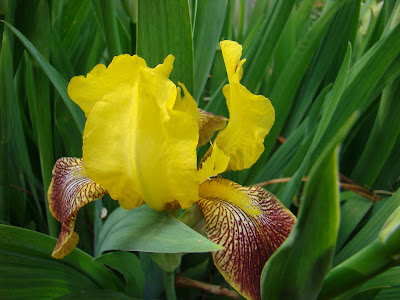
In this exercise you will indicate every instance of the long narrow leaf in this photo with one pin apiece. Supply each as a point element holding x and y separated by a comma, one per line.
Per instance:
<point>54,76</point>
<point>164,28</point>
<point>205,40</point>
<point>297,269</point>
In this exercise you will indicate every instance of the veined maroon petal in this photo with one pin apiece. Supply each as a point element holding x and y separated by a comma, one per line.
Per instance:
<point>208,124</point>
<point>250,223</point>
<point>69,190</point>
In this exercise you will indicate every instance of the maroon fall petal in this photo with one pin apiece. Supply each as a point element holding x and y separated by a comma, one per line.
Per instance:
<point>250,223</point>
<point>69,190</point>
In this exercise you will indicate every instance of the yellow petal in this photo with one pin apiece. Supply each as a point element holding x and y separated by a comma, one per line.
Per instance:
<point>216,163</point>
<point>165,68</point>
<point>139,148</point>
<point>250,223</point>
<point>232,52</point>
<point>167,167</point>
<point>123,71</point>
<point>208,125</point>
<point>108,144</point>
<point>186,103</point>
<point>69,190</point>
<point>250,116</point>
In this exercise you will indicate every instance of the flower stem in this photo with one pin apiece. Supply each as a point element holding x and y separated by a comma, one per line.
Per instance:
<point>169,285</point>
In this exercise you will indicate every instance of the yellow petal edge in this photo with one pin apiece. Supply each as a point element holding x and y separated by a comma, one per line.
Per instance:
<point>250,116</point>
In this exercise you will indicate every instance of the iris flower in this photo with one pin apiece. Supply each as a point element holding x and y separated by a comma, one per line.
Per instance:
<point>139,146</point>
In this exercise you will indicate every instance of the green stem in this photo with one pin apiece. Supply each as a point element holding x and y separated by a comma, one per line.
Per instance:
<point>5,55</point>
<point>169,285</point>
<point>97,223</point>
<point>366,264</point>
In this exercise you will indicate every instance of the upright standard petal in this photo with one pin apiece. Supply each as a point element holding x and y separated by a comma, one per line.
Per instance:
<point>140,148</point>
<point>250,223</point>
<point>250,116</point>
<point>165,144</point>
<point>70,189</point>
<point>108,145</point>
<point>122,72</point>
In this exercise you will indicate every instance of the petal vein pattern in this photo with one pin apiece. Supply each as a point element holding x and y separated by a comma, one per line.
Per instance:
<point>250,231</point>
<point>70,189</point>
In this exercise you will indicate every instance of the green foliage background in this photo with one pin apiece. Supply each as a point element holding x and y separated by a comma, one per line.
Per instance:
<point>330,68</point>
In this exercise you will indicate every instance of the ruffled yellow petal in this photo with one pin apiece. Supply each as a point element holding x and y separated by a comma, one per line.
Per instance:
<point>122,72</point>
<point>250,223</point>
<point>139,148</point>
<point>250,116</point>
<point>165,68</point>
<point>69,190</point>
<point>167,167</point>
<point>214,164</point>
<point>232,53</point>
<point>208,125</point>
<point>186,103</point>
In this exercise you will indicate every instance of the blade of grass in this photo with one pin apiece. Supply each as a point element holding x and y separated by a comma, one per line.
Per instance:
<point>77,16</point>
<point>205,40</point>
<point>289,37</point>
<point>313,239</point>
<point>281,96</point>
<point>5,93</point>
<point>388,177</point>
<point>378,256</point>
<point>332,45</point>
<point>54,76</point>
<point>370,231</point>
<point>362,80</point>
<point>59,57</point>
<point>389,278</point>
<point>352,273</point>
<point>289,153</point>
<point>13,130</point>
<point>110,26</point>
<point>314,236</point>
<point>286,195</point>
<point>39,96</point>
<point>260,51</point>
<point>351,213</point>
<point>385,131</point>
<point>164,28</point>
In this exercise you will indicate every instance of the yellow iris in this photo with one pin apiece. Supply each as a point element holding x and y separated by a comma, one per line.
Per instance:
<point>139,145</point>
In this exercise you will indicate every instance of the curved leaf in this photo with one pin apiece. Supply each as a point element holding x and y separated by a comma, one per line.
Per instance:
<point>54,76</point>
<point>144,229</point>
<point>297,269</point>
<point>27,270</point>
<point>128,264</point>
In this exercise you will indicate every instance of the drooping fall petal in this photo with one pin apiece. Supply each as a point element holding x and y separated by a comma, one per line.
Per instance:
<point>70,189</point>
<point>140,148</point>
<point>250,223</point>
<point>250,116</point>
